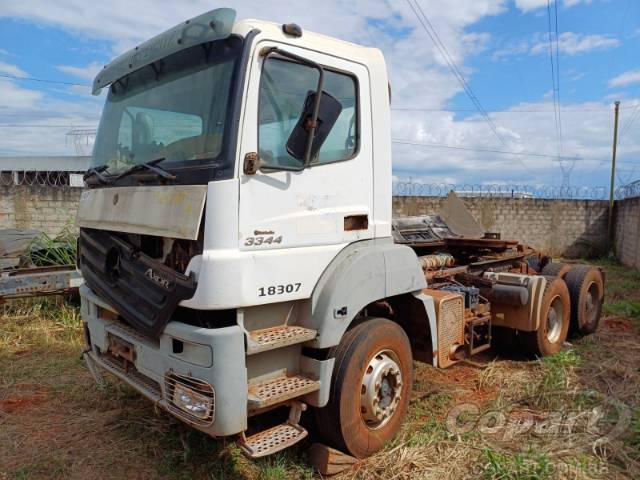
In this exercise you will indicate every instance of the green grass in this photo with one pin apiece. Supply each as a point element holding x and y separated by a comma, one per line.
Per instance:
<point>123,436</point>
<point>44,250</point>
<point>518,466</point>
<point>623,308</point>
<point>556,377</point>
<point>634,434</point>
<point>428,432</point>
<point>622,289</point>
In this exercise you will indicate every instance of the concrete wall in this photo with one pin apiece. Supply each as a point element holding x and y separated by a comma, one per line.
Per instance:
<point>627,231</point>
<point>571,228</point>
<point>559,227</point>
<point>48,209</point>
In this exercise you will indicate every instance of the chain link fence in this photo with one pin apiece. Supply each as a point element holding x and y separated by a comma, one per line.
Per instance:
<point>41,178</point>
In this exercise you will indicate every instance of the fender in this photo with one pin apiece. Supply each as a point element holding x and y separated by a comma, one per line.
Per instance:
<point>361,273</point>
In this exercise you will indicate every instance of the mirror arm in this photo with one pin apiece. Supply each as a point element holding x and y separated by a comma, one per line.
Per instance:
<point>314,118</point>
<point>313,122</point>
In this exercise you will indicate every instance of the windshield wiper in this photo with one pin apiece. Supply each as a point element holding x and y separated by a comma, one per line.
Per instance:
<point>152,166</point>
<point>97,172</point>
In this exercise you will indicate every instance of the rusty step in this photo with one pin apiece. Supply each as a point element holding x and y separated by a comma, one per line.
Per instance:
<point>277,337</point>
<point>272,440</point>
<point>280,389</point>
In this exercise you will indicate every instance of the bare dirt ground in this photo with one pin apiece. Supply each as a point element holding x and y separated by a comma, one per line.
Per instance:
<point>572,416</point>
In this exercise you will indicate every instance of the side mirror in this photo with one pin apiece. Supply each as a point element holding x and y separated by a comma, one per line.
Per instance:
<point>305,141</point>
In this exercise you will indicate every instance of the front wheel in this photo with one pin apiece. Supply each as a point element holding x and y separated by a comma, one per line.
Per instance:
<point>370,388</point>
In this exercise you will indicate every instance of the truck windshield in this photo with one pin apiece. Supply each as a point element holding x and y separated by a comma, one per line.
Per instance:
<point>176,109</point>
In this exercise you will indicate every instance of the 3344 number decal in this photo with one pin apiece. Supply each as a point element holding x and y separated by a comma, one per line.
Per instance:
<point>257,241</point>
<point>278,289</point>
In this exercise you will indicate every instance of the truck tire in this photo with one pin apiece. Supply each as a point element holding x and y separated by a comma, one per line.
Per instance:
<point>586,291</point>
<point>554,321</point>
<point>370,388</point>
<point>556,269</point>
<point>533,262</point>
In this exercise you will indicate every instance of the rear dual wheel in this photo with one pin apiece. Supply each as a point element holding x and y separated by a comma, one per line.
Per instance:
<point>586,292</point>
<point>554,321</point>
<point>556,269</point>
<point>586,289</point>
<point>370,388</point>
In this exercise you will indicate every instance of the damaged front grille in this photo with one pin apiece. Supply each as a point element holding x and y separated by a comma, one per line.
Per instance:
<point>143,290</point>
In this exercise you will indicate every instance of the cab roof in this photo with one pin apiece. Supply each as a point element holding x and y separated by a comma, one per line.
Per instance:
<point>312,40</point>
<point>219,24</point>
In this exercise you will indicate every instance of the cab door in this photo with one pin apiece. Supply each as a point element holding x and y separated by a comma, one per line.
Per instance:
<point>330,202</point>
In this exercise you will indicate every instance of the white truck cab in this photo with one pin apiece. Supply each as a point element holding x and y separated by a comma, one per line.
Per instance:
<point>237,250</point>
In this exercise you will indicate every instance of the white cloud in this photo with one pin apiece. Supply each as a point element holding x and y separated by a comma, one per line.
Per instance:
<point>626,78</point>
<point>87,72</point>
<point>15,97</point>
<point>12,70</point>
<point>34,123</point>
<point>528,5</point>
<point>573,75</point>
<point>572,43</point>
<point>571,3</point>
<point>417,71</point>
<point>513,49</point>
<point>569,43</point>
<point>418,76</point>
<point>586,134</point>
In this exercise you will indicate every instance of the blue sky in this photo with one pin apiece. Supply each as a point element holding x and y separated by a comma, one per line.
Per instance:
<point>500,46</point>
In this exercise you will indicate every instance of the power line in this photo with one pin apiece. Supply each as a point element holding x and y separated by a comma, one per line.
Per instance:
<point>474,149</point>
<point>555,6</point>
<point>435,38</point>
<point>553,80</point>
<point>632,118</point>
<point>43,80</point>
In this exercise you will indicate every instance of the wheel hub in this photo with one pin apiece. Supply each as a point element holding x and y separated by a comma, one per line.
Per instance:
<point>381,389</point>
<point>554,320</point>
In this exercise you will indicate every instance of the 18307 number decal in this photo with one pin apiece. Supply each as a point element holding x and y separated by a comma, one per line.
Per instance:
<point>278,289</point>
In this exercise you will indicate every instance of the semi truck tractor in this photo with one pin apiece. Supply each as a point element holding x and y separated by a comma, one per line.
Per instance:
<point>240,257</point>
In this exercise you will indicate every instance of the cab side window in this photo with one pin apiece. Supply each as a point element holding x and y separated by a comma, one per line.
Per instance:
<point>283,89</point>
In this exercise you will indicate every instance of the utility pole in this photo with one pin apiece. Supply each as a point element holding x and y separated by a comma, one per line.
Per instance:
<point>613,176</point>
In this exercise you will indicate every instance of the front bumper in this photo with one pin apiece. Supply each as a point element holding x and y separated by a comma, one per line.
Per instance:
<point>213,356</point>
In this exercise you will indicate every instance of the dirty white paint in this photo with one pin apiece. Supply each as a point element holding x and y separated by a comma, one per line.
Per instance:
<point>165,211</point>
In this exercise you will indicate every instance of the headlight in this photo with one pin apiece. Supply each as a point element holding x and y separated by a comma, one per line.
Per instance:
<point>191,402</point>
<point>190,398</point>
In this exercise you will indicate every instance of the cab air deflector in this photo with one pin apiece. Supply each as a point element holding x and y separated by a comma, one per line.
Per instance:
<point>213,25</point>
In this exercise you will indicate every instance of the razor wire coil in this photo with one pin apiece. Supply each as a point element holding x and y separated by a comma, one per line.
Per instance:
<point>409,187</point>
<point>39,178</point>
